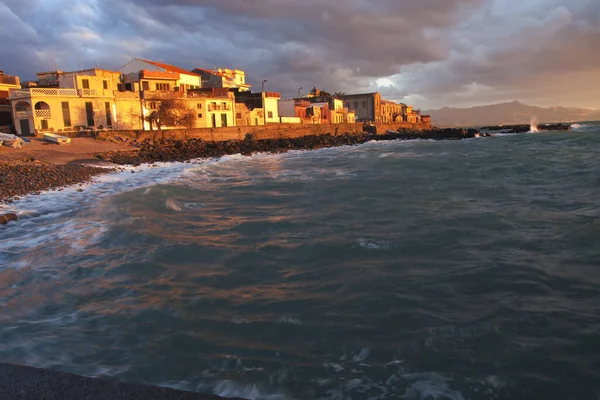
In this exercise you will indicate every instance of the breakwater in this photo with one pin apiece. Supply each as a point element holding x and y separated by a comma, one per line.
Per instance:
<point>527,128</point>
<point>163,150</point>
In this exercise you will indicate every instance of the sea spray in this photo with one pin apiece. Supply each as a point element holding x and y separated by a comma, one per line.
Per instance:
<point>533,125</point>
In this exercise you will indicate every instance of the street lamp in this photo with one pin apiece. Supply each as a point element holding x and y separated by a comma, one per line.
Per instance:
<point>263,103</point>
<point>299,89</point>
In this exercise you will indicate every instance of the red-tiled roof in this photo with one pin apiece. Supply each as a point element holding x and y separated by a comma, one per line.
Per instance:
<point>168,67</point>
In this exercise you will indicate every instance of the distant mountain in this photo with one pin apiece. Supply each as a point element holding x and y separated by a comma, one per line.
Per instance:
<point>508,113</point>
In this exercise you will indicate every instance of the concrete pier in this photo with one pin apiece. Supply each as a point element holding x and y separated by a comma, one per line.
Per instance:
<point>26,383</point>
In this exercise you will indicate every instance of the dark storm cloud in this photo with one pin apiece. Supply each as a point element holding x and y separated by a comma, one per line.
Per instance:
<point>428,52</point>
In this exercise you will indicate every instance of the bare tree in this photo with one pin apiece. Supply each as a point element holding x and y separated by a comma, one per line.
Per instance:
<point>169,111</point>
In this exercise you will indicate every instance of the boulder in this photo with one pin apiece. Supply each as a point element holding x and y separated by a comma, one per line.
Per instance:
<point>6,218</point>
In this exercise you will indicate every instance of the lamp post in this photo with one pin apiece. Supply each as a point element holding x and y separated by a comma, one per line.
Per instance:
<point>263,103</point>
<point>299,89</point>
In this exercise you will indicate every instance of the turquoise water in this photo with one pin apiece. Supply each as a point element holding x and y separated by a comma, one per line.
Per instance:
<point>430,270</point>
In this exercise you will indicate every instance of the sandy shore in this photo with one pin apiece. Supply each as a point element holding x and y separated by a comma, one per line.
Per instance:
<point>80,150</point>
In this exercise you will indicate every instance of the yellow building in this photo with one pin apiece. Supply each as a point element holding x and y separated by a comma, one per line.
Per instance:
<point>87,99</point>
<point>408,114</point>
<point>7,83</point>
<point>214,107</point>
<point>391,111</point>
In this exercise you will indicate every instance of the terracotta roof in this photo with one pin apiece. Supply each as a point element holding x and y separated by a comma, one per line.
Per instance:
<point>168,67</point>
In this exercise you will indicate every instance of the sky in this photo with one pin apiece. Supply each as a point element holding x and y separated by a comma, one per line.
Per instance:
<point>429,53</point>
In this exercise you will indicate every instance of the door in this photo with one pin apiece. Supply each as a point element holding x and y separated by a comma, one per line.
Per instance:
<point>223,119</point>
<point>89,113</point>
<point>25,127</point>
<point>214,121</point>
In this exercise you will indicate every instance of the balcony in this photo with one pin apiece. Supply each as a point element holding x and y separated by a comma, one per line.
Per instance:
<point>45,114</point>
<point>9,80</point>
<point>219,107</point>
<point>22,114</point>
<point>170,75</point>
<point>41,92</point>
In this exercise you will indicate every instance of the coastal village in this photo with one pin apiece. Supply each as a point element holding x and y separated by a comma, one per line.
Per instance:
<point>147,95</point>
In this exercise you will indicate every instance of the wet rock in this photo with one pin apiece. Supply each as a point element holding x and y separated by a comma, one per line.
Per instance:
<point>6,218</point>
<point>164,150</point>
<point>19,178</point>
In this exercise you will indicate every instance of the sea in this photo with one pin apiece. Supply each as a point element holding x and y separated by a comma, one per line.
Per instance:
<point>391,270</point>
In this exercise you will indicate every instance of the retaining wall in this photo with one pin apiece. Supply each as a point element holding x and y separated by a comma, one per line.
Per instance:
<point>270,131</point>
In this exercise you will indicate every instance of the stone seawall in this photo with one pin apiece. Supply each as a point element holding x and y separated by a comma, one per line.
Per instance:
<point>271,131</point>
<point>169,149</point>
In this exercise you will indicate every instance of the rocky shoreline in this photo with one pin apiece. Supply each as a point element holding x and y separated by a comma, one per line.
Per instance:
<point>20,178</point>
<point>24,177</point>
<point>165,150</point>
<point>527,128</point>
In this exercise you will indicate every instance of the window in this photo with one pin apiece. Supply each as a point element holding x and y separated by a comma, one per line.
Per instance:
<point>238,115</point>
<point>199,115</point>
<point>364,104</point>
<point>128,86</point>
<point>85,83</point>
<point>44,124</point>
<point>356,104</point>
<point>145,85</point>
<point>162,86</point>
<point>108,114</point>
<point>105,85</point>
<point>270,114</point>
<point>153,105</point>
<point>66,114</point>
<point>199,105</point>
<point>89,113</point>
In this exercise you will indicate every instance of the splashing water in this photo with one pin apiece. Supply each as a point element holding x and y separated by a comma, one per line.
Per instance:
<point>534,125</point>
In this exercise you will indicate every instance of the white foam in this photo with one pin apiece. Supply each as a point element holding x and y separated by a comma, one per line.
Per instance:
<point>373,244</point>
<point>290,320</point>
<point>172,205</point>
<point>60,217</point>
<point>362,355</point>
<point>239,320</point>
<point>229,388</point>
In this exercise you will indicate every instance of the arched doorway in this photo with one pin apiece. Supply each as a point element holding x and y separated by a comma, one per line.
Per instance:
<point>23,120</point>
<point>42,111</point>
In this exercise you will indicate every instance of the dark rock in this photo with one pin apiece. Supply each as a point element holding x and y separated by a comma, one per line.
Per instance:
<point>25,177</point>
<point>6,218</point>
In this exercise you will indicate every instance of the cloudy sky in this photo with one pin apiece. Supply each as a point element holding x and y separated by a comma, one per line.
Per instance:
<point>430,53</point>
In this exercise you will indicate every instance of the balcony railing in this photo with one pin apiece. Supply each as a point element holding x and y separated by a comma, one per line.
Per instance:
<point>40,92</point>
<point>22,114</point>
<point>219,107</point>
<point>43,114</point>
